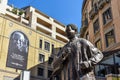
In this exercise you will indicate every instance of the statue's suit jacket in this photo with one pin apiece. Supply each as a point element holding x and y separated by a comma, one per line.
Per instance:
<point>82,57</point>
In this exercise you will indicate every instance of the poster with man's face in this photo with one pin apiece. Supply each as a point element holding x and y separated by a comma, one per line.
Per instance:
<point>18,51</point>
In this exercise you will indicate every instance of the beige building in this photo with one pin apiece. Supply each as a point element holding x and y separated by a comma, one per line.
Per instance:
<point>101,25</point>
<point>38,35</point>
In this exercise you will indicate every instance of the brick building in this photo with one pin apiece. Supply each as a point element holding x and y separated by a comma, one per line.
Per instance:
<point>100,25</point>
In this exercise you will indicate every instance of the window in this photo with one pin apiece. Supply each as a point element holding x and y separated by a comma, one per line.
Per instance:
<point>85,22</point>
<point>60,48</point>
<point>50,60</point>
<point>40,44</point>
<point>57,77</point>
<point>49,73</point>
<point>41,58</point>
<point>109,65</point>
<point>94,2</point>
<point>59,53</point>
<point>110,38</point>
<point>98,44</point>
<point>87,36</point>
<point>107,16</point>
<point>96,26</point>
<point>47,46</point>
<point>117,57</point>
<point>40,72</point>
<point>53,51</point>
<point>94,10</point>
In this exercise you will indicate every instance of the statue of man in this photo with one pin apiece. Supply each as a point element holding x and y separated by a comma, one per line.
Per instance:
<point>76,59</point>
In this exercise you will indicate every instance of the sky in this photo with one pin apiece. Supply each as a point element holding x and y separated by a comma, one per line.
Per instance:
<point>64,11</point>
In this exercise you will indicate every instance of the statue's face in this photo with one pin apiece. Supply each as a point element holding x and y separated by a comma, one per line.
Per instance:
<point>70,32</point>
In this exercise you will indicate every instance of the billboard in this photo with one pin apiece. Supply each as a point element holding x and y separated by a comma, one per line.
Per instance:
<point>18,51</point>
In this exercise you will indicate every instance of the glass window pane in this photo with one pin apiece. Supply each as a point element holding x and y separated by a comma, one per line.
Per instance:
<point>53,50</point>
<point>50,60</point>
<point>40,71</point>
<point>108,60</point>
<point>107,15</point>
<point>40,44</point>
<point>110,39</point>
<point>41,58</point>
<point>49,73</point>
<point>117,58</point>
<point>98,44</point>
<point>96,26</point>
<point>47,46</point>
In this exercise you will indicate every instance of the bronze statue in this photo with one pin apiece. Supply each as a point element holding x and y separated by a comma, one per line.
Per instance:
<point>75,61</point>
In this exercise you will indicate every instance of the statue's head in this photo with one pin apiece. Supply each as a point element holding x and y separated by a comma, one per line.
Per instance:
<point>71,31</point>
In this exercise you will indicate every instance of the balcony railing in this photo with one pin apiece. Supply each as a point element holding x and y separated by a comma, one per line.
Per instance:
<point>62,36</point>
<point>102,3</point>
<point>93,12</point>
<point>43,28</point>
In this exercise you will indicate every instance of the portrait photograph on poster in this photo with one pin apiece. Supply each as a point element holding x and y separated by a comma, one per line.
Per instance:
<point>18,50</point>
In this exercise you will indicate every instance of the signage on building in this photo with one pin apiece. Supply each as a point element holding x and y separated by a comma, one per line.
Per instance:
<point>18,51</point>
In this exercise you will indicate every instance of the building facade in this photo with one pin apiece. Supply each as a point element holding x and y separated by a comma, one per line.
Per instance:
<point>100,25</point>
<point>29,40</point>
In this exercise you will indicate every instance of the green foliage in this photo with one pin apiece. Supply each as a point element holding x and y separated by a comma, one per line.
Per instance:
<point>14,10</point>
<point>8,9</point>
<point>21,12</point>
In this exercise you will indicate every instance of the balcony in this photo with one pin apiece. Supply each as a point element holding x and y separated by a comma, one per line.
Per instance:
<point>11,15</point>
<point>93,12</point>
<point>61,38</point>
<point>43,29</point>
<point>102,3</point>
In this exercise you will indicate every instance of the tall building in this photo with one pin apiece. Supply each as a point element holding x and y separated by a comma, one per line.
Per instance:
<point>100,25</point>
<point>29,40</point>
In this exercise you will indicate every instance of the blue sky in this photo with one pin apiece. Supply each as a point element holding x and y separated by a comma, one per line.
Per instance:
<point>64,11</point>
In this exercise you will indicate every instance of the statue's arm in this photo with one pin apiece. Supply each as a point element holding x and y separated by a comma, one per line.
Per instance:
<point>96,55</point>
<point>60,59</point>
